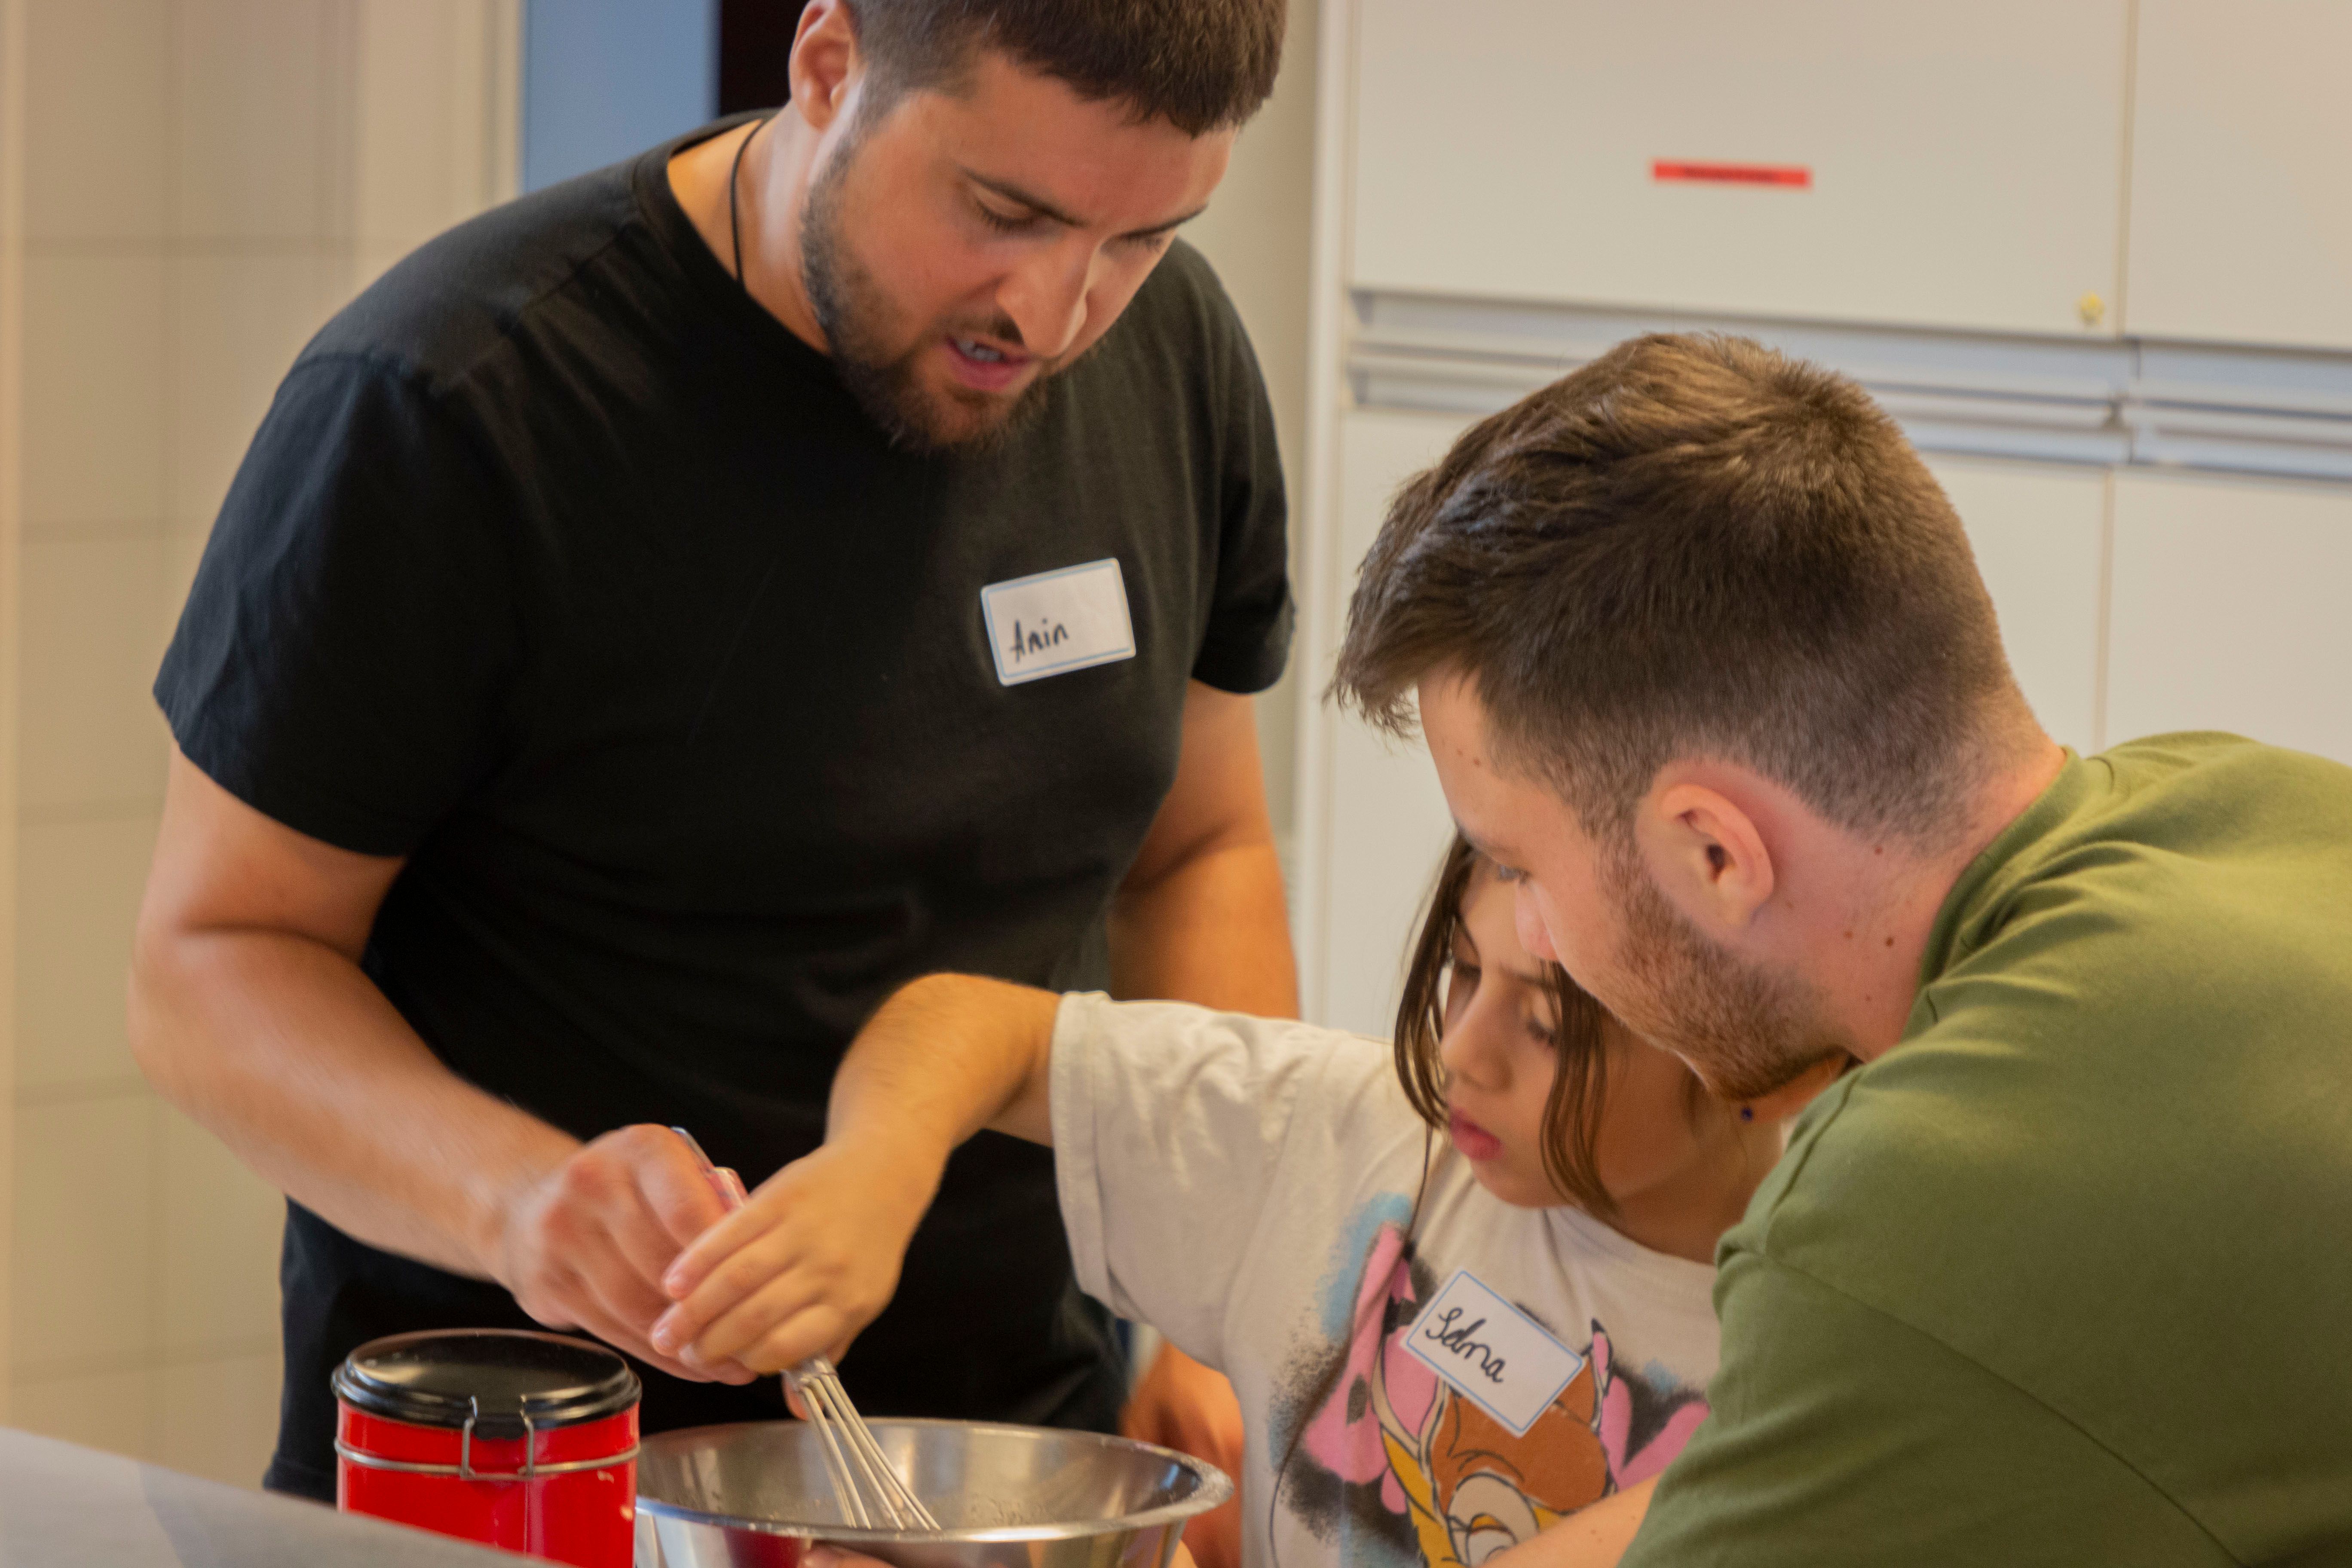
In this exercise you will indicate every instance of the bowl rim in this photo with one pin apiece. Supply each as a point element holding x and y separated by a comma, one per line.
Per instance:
<point>1216,1489</point>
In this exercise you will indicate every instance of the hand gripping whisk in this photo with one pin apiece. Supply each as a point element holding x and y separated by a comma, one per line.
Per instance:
<point>864,1483</point>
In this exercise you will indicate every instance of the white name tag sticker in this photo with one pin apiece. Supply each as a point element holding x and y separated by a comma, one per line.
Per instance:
<point>1056,622</point>
<point>1494,1354</point>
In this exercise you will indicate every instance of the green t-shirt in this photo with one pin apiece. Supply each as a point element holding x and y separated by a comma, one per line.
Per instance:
<point>2066,1277</point>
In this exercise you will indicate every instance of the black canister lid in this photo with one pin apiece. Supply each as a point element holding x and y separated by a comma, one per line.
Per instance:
<point>439,1378</point>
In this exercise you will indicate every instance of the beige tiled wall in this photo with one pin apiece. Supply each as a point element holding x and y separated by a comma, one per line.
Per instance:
<point>205,181</point>
<point>12,490</point>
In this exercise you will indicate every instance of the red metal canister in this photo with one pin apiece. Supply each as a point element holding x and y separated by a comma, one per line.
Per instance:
<point>525,1441</point>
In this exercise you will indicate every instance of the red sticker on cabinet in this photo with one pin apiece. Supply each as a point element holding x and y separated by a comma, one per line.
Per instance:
<point>1793,176</point>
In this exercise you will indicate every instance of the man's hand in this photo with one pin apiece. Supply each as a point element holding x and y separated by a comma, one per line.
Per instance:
<point>1183,1406</point>
<point>803,1266</point>
<point>586,1246</point>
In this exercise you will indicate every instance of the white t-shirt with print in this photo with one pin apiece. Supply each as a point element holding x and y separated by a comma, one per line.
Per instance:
<point>1247,1186</point>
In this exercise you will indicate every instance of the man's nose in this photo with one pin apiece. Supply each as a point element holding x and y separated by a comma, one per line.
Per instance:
<point>1527,915</point>
<point>1047,296</point>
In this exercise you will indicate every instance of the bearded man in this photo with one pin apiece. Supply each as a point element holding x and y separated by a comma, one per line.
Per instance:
<point>665,614</point>
<point>1703,659</point>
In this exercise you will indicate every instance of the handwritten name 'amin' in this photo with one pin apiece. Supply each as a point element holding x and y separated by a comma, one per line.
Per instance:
<point>1036,639</point>
<point>1451,1334</point>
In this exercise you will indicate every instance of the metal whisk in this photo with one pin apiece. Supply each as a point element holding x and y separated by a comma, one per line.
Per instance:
<point>860,1472</point>
<point>849,1446</point>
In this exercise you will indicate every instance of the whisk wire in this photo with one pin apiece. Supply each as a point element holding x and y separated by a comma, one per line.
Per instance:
<point>845,1489</point>
<point>838,1426</point>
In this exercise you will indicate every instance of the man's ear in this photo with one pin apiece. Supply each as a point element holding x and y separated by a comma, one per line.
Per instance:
<point>826,62</point>
<point>1706,854</point>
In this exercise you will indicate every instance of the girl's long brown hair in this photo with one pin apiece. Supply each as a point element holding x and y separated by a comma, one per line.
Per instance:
<point>1571,1120</point>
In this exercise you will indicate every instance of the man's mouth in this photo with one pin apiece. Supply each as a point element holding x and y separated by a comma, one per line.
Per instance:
<point>983,366</point>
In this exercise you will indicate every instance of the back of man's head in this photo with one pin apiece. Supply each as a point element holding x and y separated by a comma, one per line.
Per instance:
<point>1200,65</point>
<point>1696,547</point>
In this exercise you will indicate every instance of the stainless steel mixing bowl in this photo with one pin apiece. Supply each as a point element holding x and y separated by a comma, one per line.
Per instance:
<point>750,1495</point>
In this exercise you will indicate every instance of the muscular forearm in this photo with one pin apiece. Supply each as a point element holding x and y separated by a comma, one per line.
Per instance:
<point>284,1050</point>
<point>1213,930</point>
<point>250,1010</point>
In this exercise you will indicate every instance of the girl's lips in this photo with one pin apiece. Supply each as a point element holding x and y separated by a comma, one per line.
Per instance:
<point>1474,1141</point>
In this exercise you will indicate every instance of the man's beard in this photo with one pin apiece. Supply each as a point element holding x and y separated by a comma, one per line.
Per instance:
<point>855,320</point>
<point>1743,1029</point>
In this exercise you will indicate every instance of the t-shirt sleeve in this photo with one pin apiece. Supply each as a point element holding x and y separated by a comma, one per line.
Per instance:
<point>344,659</point>
<point>1248,640</point>
<point>1839,1434</point>
<point>1169,1123</point>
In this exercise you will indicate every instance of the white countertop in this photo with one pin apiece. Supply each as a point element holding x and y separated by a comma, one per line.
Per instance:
<point>64,1507</point>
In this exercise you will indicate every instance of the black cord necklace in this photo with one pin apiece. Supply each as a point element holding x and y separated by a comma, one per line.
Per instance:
<point>734,205</point>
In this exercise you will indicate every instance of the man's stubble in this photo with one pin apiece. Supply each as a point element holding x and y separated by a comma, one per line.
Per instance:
<point>1745,1030</point>
<point>857,320</point>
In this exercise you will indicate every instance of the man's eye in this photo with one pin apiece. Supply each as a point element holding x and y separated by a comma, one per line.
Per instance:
<point>1000,221</point>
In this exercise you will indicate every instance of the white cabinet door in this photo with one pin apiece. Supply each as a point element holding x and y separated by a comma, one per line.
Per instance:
<point>2229,612</point>
<point>2036,530</point>
<point>1963,163</point>
<point>1386,823</point>
<point>2240,203</point>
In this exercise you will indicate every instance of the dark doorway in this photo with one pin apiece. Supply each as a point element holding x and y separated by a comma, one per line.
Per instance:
<point>755,46</point>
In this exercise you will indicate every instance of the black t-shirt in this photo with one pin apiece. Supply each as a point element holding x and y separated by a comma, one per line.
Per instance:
<point>562,569</point>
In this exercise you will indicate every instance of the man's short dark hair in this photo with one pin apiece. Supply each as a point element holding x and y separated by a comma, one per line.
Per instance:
<point>1200,65</point>
<point>1694,546</point>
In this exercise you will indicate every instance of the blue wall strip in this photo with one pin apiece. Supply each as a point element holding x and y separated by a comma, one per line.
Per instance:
<point>606,78</point>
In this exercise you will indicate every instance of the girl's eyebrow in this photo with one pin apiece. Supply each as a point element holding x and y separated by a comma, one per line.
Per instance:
<point>1537,977</point>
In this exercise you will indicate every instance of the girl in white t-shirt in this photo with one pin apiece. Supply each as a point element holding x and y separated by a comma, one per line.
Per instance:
<point>1442,1345</point>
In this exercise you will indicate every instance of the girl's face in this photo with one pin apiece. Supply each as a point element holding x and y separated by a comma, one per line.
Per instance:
<point>1657,1133</point>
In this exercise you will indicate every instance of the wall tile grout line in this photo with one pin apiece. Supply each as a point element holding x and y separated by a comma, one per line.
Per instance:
<point>89,1091</point>
<point>115,808</point>
<point>67,1369</point>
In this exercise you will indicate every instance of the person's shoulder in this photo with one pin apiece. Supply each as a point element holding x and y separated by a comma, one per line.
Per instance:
<point>1184,285</point>
<point>1315,1083</point>
<point>1182,310</point>
<point>2209,787</point>
<point>436,314</point>
<point>2166,879</point>
<point>1174,1037</point>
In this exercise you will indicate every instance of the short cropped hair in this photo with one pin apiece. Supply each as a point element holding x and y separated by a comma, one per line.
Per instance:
<point>1200,65</point>
<point>1695,546</point>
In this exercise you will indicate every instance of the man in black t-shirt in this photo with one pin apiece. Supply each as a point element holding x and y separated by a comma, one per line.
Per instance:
<point>666,613</point>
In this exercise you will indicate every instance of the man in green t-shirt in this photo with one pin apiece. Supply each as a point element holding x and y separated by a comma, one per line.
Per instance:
<point>2059,1275</point>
